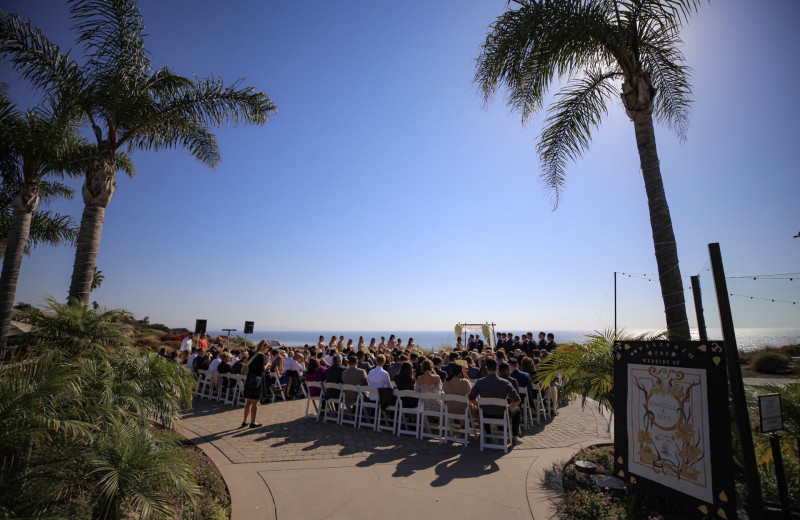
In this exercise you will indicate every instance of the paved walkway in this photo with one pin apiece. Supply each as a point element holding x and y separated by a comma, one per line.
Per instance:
<point>296,468</point>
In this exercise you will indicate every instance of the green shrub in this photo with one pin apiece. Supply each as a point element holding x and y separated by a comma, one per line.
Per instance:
<point>769,481</point>
<point>583,504</point>
<point>770,362</point>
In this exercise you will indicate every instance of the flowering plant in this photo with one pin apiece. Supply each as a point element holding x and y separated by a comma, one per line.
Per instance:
<point>459,330</point>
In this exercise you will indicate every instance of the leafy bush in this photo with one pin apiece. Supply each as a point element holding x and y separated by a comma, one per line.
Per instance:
<point>791,350</point>
<point>769,482</point>
<point>583,504</point>
<point>770,362</point>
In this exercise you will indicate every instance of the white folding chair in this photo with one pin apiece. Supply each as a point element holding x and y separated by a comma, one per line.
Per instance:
<point>202,382</point>
<point>208,388</point>
<point>314,402</point>
<point>331,407</point>
<point>387,417</point>
<point>538,402</point>
<point>402,415</point>
<point>368,410</point>
<point>431,421</point>
<point>492,439</point>
<point>348,405</point>
<point>456,425</point>
<point>524,408</point>
<point>239,397</point>
<point>227,388</point>
<point>277,389</point>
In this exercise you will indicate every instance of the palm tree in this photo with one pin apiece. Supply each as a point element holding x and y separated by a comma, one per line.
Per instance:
<point>41,142</point>
<point>595,44</point>
<point>129,106</point>
<point>587,370</point>
<point>97,278</point>
<point>46,227</point>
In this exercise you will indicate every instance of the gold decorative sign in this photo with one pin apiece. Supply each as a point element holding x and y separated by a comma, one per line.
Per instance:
<point>667,417</point>
<point>664,422</point>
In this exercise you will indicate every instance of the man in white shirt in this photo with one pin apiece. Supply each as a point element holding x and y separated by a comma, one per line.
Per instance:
<point>296,365</point>
<point>378,377</point>
<point>186,345</point>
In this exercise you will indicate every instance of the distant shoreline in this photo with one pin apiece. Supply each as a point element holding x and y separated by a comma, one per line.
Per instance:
<point>746,338</point>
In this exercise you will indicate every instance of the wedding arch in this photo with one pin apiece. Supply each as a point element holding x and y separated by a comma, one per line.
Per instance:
<point>484,329</point>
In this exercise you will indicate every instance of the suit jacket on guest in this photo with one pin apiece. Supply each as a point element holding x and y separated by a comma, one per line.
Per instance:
<point>353,376</point>
<point>333,375</point>
<point>493,386</point>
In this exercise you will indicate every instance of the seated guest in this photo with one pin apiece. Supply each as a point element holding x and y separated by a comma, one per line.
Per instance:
<point>353,375</point>
<point>334,375</point>
<point>294,368</point>
<point>493,387</point>
<point>473,372</point>
<point>437,367</point>
<point>363,362</point>
<point>504,371</point>
<point>457,383</point>
<point>395,367</point>
<point>174,357</point>
<point>522,379</point>
<point>429,382</point>
<point>405,381</point>
<point>379,378</point>
<point>451,358</point>
<point>314,372</point>
<point>192,357</point>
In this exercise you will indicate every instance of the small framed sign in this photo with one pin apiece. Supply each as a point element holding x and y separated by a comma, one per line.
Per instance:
<point>769,408</point>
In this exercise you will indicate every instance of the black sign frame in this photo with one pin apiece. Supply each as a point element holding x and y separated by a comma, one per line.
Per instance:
<point>704,355</point>
<point>248,327</point>
<point>200,326</point>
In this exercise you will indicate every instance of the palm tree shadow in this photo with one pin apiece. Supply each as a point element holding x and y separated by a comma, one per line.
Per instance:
<point>466,465</point>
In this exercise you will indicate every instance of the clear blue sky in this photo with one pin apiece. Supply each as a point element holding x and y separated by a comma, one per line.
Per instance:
<point>384,194</point>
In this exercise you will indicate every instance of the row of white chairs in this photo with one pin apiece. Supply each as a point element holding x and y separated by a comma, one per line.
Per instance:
<point>229,388</point>
<point>354,407</point>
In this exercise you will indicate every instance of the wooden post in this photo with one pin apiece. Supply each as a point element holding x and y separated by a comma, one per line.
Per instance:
<point>753,481</point>
<point>615,304</point>
<point>783,490</point>
<point>698,308</point>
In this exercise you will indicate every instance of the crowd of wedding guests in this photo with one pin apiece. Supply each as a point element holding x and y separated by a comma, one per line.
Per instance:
<point>507,371</point>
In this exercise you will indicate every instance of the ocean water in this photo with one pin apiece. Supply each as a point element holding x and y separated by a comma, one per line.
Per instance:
<point>746,338</point>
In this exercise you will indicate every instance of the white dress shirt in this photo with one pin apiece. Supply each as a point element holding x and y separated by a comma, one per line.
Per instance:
<point>379,378</point>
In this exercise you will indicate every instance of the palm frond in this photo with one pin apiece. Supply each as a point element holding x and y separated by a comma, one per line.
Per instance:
<point>163,133</point>
<point>76,330</point>
<point>528,47</point>
<point>663,60</point>
<point>112,35</point>
<point>578,109</point>
<point>38,60</point>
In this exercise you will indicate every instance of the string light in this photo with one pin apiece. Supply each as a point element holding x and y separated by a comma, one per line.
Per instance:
<point>779,276</point>
<point>773,300</point>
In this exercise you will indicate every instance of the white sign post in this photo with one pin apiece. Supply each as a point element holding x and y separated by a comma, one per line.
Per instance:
<point>769,407</point>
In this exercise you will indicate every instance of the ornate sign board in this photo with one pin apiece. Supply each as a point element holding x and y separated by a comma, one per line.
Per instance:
<point>769,408</point>
<point>672,425</point>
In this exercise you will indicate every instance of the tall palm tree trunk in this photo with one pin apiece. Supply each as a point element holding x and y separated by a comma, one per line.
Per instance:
<point>24,204</point>
<point>666,250</point>
<point>97,191</point>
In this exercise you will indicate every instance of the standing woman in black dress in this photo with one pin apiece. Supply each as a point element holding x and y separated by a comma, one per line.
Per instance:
<point>252,385</point>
